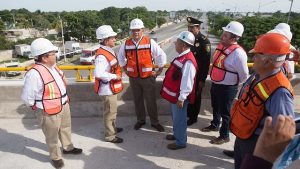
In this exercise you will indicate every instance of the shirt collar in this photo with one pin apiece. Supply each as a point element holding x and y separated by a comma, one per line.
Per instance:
<point>184,52</point>
<point>107,48</point>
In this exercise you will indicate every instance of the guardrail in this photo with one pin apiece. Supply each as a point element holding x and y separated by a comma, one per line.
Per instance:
<point>79,78</point>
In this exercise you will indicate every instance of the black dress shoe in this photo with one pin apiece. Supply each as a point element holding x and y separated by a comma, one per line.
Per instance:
<point>58,163</point>
<point>116,140</point>
<point>158,127</point>
<point>191,122</point>
<point>119,129</point>
<point>229,153</point>
<point>73,151</point>
<point>138,125</point>
<point>170,137</point>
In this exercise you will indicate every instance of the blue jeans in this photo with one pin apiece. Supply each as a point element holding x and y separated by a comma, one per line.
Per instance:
<point>179,117</point>
<point>221,100</point>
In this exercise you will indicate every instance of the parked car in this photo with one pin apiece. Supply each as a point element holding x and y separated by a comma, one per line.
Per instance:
<point>88,55</point>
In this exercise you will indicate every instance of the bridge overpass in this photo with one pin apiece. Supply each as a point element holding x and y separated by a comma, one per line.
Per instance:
<point>22,143</point>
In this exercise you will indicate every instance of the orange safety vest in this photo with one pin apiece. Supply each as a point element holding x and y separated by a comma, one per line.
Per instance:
<point>52,96</point>
<point>171,85</point>
<point>218,70</point>
<point>116,86</point>
<point>249,109</point>
<point>139,58</point>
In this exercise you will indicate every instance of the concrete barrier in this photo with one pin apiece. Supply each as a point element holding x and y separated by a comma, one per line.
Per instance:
<point>85,103</point>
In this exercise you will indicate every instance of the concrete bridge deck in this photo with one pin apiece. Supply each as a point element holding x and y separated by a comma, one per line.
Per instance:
<point>22,142</point>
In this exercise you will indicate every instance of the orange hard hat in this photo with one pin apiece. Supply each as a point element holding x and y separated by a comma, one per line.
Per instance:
<point>271,44</point>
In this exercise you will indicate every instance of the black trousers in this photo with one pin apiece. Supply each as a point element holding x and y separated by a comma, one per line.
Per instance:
<point>243,147</point>
<point>194,109</point>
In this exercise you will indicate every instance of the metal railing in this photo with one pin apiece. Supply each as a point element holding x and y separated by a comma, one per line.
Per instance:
<point>79,77</point>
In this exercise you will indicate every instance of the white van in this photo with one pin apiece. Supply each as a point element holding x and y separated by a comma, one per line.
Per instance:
<point>88,55</point>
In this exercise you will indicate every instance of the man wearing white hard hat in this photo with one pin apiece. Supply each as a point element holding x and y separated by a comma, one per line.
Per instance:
<point>229,69</point>
<point>179,88</point>
<point>45,92</point>
<point>108,82</point>
<point>289,66</point>
<point>137,57</point>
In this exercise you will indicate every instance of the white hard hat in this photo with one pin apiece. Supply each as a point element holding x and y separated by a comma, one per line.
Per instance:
<point>284,29</point>
<point>105,31</point>
<point>136,24</point>
<point>187,37</point>
<point>235,28</point>
<point>41,46</point>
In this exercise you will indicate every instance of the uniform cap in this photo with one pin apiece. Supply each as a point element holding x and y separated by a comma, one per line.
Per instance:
<point>192,21</point>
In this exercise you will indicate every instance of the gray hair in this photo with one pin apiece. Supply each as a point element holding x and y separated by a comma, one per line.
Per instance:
<point>277,60</point>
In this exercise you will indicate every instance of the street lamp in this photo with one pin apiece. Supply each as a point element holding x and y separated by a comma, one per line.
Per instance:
<point>62,36</point>
<point>290,11</point>
<point>260,5</point>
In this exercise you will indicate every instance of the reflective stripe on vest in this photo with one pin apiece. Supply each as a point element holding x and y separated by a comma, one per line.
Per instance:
<point>52,97</point>
<point>218,70</point>
<point>116,86</point>
<point>248,110</point>
<point>171,84</point>
<point>139,58</point>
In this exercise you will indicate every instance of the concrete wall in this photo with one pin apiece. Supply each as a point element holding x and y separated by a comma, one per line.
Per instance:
<point>84,102</point>
<point>6,55</point>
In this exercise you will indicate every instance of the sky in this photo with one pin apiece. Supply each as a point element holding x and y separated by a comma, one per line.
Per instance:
<point>153,5</point>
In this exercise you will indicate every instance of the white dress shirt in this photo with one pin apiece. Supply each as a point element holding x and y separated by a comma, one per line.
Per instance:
<point>187,80</point>
<point>158,54</point>
<point>34,87</point>
<point>102,71</point>
<point>235,62</point>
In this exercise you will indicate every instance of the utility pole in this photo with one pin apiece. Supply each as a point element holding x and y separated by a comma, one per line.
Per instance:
<point>62,37</point>
<point>290,11</point>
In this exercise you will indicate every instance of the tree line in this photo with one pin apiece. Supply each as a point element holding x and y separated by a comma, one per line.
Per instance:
<point>80,25</point>
<point>255,25</point>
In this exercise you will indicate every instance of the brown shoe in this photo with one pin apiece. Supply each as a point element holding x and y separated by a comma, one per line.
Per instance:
<point>170,137</point>
<point>174,146</point>
<point>116,140</point>
<point>58,163</point>
<point>220,140</point>
<point>209,129</point>
<point>138,125</point>
<point>158,127</point>
<point>73,151</point>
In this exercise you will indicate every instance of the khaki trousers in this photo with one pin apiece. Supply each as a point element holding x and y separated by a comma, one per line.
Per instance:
<point>56,127</point>
<point>144,89</point>
<point>109,116</point>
